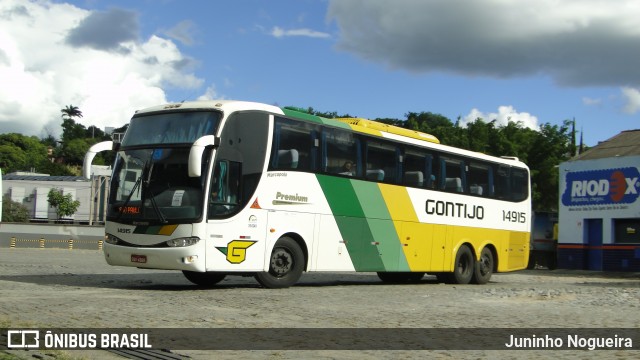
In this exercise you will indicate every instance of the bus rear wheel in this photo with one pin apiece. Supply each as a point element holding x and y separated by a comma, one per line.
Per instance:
<point>484,267</point>
<point>285,265</point>
<point>464,266</point>
<point>400,277</point>
<point>205,279</point>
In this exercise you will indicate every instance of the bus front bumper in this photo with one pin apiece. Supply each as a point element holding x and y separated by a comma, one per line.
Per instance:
<point>190,258</point>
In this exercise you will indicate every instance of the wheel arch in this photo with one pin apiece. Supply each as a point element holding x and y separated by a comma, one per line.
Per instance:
<point>494,252</point>
<point>303,246</point>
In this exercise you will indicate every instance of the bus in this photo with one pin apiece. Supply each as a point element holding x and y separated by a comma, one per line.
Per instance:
<point>218,188</point>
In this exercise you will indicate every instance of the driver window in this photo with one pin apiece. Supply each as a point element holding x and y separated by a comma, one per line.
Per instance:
<point>224,195</point>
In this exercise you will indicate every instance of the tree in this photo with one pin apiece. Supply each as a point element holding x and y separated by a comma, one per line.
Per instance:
<point>13,211</point>
<point>64,204</point>
<point>70,112</point>
<point>70,129</point>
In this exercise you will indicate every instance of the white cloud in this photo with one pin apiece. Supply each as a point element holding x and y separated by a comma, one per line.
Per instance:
<point>504,115</point>
<point>47,63</point>
<point>632,99</point>
<point>183,32</point>
<point>210,94</point>
<point>575,42</point>
<point>591,101</point>
<point>279,32</point>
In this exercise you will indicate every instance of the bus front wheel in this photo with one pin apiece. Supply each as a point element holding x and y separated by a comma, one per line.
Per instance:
<point>206,279</point>
<point>285,265</point>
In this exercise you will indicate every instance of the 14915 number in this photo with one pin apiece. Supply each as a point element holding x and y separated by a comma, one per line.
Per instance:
<point>514,216</point>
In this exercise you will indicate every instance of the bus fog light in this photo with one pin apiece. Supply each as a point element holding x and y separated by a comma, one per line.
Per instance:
<point>190,259</point>
<point>182,242</point>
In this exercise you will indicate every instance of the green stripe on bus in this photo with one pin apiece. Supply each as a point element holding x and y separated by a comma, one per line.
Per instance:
<point>313,118</point>
<point>302,115</point>
<point>381,226</point>
<point>364,223</point>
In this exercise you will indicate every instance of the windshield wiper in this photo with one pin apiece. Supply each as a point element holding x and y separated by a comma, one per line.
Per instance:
<point>152,196</point>
<point>126,202</point>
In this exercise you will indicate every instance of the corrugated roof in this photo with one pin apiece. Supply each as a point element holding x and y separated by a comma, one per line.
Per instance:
<point>42,178</point>
<point>627,143</point>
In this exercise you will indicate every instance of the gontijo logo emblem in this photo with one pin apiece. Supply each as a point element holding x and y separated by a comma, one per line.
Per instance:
<point>595,187</point>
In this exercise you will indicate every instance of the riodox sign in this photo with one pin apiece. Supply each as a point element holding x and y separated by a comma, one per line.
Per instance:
<point>596,187</point>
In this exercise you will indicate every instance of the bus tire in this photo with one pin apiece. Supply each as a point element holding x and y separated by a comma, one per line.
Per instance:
<point>464,266</point>
<point>553,261</point>
<point>400,277</point>
<point>205,279</point>
<point>285,265</point>
<point>484,267</point>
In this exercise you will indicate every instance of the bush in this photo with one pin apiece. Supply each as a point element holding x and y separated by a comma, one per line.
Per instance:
<point>14,211</point>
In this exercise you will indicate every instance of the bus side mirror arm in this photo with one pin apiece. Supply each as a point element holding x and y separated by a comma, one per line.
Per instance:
<point>195,154</point>
<point>91,153</point>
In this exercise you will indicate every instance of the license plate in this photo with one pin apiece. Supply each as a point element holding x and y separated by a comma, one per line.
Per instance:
<point>141,259</point>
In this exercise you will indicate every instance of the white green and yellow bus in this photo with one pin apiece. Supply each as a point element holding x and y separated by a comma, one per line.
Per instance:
<point>217,188</point>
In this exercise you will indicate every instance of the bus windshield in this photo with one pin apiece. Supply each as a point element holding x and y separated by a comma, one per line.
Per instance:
<point>153,186</point>
<point>183,127</point>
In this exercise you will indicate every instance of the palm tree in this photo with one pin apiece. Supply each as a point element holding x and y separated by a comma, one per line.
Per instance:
<point>70,112</point>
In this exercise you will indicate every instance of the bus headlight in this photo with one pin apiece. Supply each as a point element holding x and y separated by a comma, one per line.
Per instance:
<point>110,239</point>
<point>182,242</point>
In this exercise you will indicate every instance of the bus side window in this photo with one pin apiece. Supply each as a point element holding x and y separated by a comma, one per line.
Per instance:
<point>479,179</point>
<point>519,184</point>
<point>453,176</point>
<point>417,168</point>
<point>502,184</point>
<point>382,161</point>
<point>341,153</point>
<point>295,145</point>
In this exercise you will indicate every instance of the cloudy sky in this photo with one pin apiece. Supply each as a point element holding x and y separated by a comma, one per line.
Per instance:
<point>537,62</point>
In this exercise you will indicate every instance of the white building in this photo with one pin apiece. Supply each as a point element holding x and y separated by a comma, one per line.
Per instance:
<point>32,189</point>
<point>599,217</point>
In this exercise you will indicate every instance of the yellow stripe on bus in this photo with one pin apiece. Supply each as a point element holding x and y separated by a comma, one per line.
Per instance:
<point>412,234</point>
<point>167,229</point>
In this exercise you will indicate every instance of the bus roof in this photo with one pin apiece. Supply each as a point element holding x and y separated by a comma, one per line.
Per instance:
<point>361,125</point>
<point>355,124</point>
<point>222,105</point>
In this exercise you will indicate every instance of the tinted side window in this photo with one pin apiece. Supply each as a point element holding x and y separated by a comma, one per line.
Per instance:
<point>519,184</point>
<point>480,179</point>
<point>341,153</point>
<point>417,169</point>
<point>452,175</point>
<point>382,161</point>
<point>295,145</point>
<point>511,183</point>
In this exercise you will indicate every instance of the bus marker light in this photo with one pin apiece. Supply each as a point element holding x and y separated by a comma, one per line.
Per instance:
<point>272,230</point>
<point>255,204</point>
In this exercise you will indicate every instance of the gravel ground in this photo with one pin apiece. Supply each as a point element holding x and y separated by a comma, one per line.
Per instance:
<point>52,288</point>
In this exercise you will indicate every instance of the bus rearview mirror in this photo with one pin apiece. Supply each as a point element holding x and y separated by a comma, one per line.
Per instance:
<point>195,154</point>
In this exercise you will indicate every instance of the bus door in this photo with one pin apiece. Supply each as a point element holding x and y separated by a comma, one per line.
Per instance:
<point>236,235</point>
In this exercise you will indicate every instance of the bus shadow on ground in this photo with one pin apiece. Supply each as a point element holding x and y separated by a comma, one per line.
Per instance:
<point>176,282</point>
